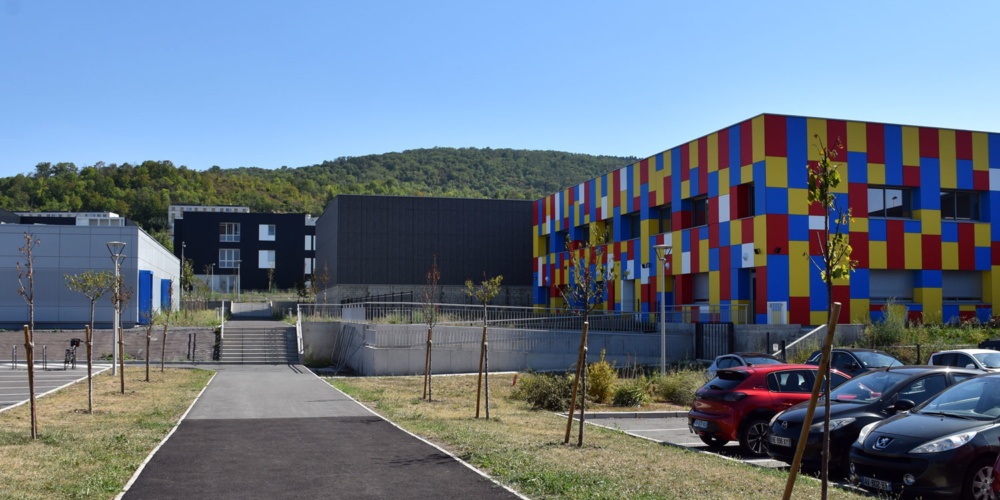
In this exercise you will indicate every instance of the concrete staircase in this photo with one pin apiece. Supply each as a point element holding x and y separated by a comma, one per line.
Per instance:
<point>259,346</point>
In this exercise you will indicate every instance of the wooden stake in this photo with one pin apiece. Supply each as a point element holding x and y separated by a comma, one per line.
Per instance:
<point>29,348</point>
<point>824,363</point>
<point>479,385</point>
<point>90,367</point>
<point>576,382</point>
<point>121,358</point>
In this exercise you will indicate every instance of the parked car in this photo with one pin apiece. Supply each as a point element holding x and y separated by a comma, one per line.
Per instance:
<point>854,362</point>
<point>738,403</point>
<point>979,359</point>
<point>867,398</point>
<point>740,359</point>
<point>945,447</point>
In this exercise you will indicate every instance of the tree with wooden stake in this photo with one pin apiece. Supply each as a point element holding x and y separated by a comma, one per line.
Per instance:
<point>28,294</point>
<point>93,285</point>
<point>166,322</point>
<point>121,296</point>
<point>321,281</point>
<point>150,319</point>
<point>430,310</point>
<point>592,272</point>
<point>484,293</point>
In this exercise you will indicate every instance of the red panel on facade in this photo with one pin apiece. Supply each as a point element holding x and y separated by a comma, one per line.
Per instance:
<point>965,316</point>
<point>911,176</point>
<point>930,252</point>
<point>630,248</point>
<point>815,240</point>
<point>775,135</point>
<point>837,130</point>
<point>875,139</point>
<point>995,256</point>
<point>703,176</point>
<point>980,180</point>
<point>747,230</point>
<point>667,193</point>
<point>725,274</point>
<point>859,249</point>
<point>616,191</point>
<point>963,144</point>
<point>724,149</point>
<point>798,310</point>
<point>713,240</point>
<point>915,316</point>
<point>929,142</point>
<point>695,250</point>
<point>534,213</point>
<point>713,210</point>
<point>894,245</point>
<point>703,153</point>
<point>760,301</point>
<point>746,143</point>
<point>734,202</point>
<point>644,171</point>
<point>683,292</point>
<point>967,247</point>
<point>842,294</point>
<point>857,199</point>
<point>685,162</point>
<point>777,234</point>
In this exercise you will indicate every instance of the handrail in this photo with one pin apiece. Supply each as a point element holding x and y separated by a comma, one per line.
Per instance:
<point>298,332</point>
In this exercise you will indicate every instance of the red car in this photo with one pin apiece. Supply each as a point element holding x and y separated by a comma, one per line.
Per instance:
<point>739,403</point>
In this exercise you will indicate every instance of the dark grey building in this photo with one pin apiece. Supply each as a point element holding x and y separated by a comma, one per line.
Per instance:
<point>375,245</point>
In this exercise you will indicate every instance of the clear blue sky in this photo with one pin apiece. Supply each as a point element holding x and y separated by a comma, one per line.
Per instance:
<point>251,83</point>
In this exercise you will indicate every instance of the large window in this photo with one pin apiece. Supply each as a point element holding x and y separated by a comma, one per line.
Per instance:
<point>700,287</point>
<point>699,211</point>
<point>665,215</point>
<point>267,232</point>
<point>885,284</point>
<point>960,205</point>
<point>265,259</point>
<point>745,201</point>
<point>889,202</point>
<point>228,257</point>
<point>963,286</point>
<point>229,232</point>
<point>634,226</point>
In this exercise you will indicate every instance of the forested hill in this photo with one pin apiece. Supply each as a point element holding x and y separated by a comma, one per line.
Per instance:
<point>143,191</point>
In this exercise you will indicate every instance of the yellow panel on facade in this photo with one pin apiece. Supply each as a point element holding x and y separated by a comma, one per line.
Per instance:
<point>931,299</point>
<point>724,181</point>
<point>746,174</point>
<point>758,138</point>
<point>702,257</point>
<point>949,255</point>
<point>798,201</point>
<point>667,283</point>
<point>760,240</point>
<point>713,152</point>
<point>777,171</point>
<point>736,233</point>
<point>876,173</point>
<point>597,196</point>
<point>637,179</point>
<point>980,151</point>
<point>685,190</point>
<point>860,310</point>
<point>693,154</point>
<point>676,265</point>
<point>817,317</point>
<point>914,256</point>
<point>994,276</point>
<point>798,268</point>
<point>842,187</point>
<point>538,244</point>
<point>982,235</point>
<point>877,255</point>
<point>988,286</point>
<point>930,221</point>
<point>911,146</point>
<point>857,138</point>
<point>859,225</point>
<point>815,126</point>
<point>713,287</point>
<point>947,155</point>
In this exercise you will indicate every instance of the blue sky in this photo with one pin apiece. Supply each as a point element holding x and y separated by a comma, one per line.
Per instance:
<point>250,83</point>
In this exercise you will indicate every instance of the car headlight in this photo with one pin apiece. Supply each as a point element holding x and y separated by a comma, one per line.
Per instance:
<point>864,432</point>
<point>834,424</point>
<point>945,443</point>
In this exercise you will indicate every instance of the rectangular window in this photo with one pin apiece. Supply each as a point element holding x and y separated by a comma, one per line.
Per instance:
<point>889,202</point>
<point>699,211</point>
<point>228,257</point>
<point>885,284</point>
<point>267,232</point>
<point>965,286</point>
<point>309,265</point>
<point>265,259</point>
<point>229,232</point>
<point>584,232</point>
<point>665,218</point>
<point>745,201</point>
<point>960,205</point>
<point>634,226</point>
<point>700,288</point>
<point>310,242</point>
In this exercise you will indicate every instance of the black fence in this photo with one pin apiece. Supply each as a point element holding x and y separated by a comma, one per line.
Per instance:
<point>714,339</point>
<point>385,297</point>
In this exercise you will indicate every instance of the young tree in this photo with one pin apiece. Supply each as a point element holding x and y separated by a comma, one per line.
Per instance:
<point>484,293</point>
<point>592,272</point>
<point>120,296</point>
<point>270,280</point>
<point>166,322</point>
<point>430,310</point>
<point>187,281</point>
<point>28,294</point>
<point>150,319</point>
<point>93,285</point>
<point>321,281</point>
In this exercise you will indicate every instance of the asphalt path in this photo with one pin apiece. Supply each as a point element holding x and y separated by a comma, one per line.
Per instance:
<point>14,382</point>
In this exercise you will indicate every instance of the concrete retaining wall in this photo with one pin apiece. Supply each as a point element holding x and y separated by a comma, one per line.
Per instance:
<point>450,294</point>
<point>183,344</point>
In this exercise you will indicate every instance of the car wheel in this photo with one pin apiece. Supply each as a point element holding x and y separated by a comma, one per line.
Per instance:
<point>753,437</point>
<point>713,441</point>
<point>979,481</point>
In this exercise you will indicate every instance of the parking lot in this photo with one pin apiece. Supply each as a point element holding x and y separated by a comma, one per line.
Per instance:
<point>14,381</point>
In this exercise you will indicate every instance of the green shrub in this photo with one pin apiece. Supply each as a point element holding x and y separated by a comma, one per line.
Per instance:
<point>631,392</point>
<point>601,378</point>
<point>890,331</point>
<point>545,391</point>
<point>678,387</point>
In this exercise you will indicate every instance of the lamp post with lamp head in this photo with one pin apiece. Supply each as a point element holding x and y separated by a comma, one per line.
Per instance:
<point>663,251</point>
<point>116,248</point>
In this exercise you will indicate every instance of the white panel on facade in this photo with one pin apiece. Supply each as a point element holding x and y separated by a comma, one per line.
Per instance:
<point>686,262</point>
<point>816,222</point>
<point>604,207</point>
<point>891,284</point>
<point>724,208</point>
<point>746,255</point>
<point>700,287</point>
<point>962,285</point>
<point>994,179</point>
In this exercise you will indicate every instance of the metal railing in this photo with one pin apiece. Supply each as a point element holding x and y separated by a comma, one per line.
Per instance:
<point>385,297</point>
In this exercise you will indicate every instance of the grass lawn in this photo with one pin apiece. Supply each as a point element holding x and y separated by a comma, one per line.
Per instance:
<point>523,448</point>
<point>79,455</point>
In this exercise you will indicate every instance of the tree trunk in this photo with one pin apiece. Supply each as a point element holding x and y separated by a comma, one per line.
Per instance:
<point>486,357</point>
<point>29,348</point>
<point>479,383</point>
<point>90,363</point>
<point>121,359</point>
<point>576,381</point>
<point>163,349</point>
<point>583,400</point>
<point>149,332</point>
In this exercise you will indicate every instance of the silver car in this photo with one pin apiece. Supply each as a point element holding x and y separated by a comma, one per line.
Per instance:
<point>736,359</point>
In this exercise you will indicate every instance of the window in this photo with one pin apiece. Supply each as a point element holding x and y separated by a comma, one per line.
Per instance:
<point>889,202</point>
<point>665,214</point>
<point>583,231</point>
<point>744,200</point>
<point>960,205</point>
<point>699,211</point>
<point>700,281</point>
<point>843,361</point>
<point>310,242</point>
<point>634,226</point>
<point>265,259</point>
<point>727,362</point>
<point>921,390</point>
<point>885,284</point>
<point>229,232</point>
<point>267,232</point>
<point>793,381</point>
<point>309,265</point>
<point>962,286</point>
<point>228,257</point>
<point>836,379</point>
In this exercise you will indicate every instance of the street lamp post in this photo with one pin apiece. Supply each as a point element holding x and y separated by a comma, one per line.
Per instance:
<point>663,251</point>
<point>211,281</point>
<point>238,263</point>
<point>116,248</point>
<point>180,293</point>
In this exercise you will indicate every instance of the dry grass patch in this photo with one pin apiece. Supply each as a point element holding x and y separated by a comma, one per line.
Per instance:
<point>80,455</point>
<point>523,447</point>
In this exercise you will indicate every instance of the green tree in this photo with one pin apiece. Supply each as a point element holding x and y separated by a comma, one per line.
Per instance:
<point>92,285</point>
<point>430,314</point>
<point>484,293</point>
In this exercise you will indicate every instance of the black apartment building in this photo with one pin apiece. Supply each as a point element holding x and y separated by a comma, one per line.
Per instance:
<point>227,249</point>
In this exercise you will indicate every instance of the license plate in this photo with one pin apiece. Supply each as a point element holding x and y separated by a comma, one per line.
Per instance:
<point>700,424</point>
<point>876,483</point>
<point>781,441</point>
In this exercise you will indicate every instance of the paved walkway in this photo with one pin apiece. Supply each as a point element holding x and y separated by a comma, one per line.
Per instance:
<point>275,432</point>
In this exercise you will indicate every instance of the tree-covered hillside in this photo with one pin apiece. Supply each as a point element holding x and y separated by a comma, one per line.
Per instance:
<point>143,191</point>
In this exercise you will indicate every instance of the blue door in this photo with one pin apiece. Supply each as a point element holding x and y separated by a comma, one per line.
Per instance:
<point>145,296</point>
<point>165,295</point>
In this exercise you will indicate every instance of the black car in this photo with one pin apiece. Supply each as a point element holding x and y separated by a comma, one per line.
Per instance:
<point>945,447</point>
<point>854,362</point>
<point>870,397</point>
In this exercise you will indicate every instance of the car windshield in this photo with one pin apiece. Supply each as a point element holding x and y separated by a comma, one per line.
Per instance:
<point>762,361</point>
<point>989,359</point>
<point>726,380</point>
<point>977,398</point>
<point>876,359</point>
<point>868,387</point>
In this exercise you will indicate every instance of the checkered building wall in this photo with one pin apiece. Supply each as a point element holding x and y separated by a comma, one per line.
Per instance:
<point>773,152</point>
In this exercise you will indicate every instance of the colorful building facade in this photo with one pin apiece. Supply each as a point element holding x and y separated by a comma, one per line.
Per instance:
<point>733,206</point>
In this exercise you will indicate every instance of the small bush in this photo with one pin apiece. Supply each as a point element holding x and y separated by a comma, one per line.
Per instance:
<point>601,378</point>
<point>679,387</point>
<point>545,391</point>
<point>631,392</point>
<point>891,330</point>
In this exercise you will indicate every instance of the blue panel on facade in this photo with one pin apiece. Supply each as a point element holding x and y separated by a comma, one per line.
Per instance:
<point>949,232</point>
<point>984,314</point>
<point>927,279</point>
<point>964,170</point>
<point>777,278</point>
<point>659,162</point>
<point>760,193</point>
<point>734,154</point>
<point>911,226</point>
<point>777,201</point>
<point>165,304</point>
<point>644,202</point>
<point>994,147</point>
<point>876,230</point>
<point>724,234</point>
<point>703,233</point>
<point>983,258</point>
<point>817,289</point>
<point>893,149</point>
<point>950,313</point>
<point>930,184</point>
<point>713,259</point>
<point>798,228</point>
<point>713,184</point>
<point>686,240</point>
<point>145,296</point>
<point>798,152</point>
<point>859,284</point>
<point>857,168</point>
<point>694,182</point>
<point>993,198</point>
<point>675,173</point>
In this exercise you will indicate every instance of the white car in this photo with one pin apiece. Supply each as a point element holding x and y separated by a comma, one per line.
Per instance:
<point>982,359</point>
<point>736,359</point>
